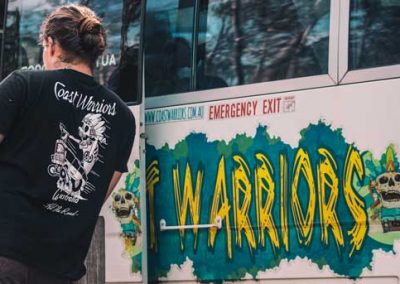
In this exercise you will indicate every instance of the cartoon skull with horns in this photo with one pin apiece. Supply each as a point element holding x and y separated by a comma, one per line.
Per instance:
<point>385,190</point>
<point>124,206</point>
<point>387,185</point>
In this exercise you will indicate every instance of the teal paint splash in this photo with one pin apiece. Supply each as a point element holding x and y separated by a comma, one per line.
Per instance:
<point>213,264</point>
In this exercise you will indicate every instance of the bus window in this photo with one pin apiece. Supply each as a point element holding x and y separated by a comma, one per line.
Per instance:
<point>374,33</point>
<point>117,67</point>
<point>168,46</point>
<point>2,19</point>
<point>243,42</point>
<point>126,36</point>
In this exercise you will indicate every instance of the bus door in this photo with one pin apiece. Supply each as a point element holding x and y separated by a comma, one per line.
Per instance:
<point>196,52</point>
<point>117,69</point>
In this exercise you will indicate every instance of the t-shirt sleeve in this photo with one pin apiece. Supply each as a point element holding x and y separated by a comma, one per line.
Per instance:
<point>12,100</point>
<point>125,147</point>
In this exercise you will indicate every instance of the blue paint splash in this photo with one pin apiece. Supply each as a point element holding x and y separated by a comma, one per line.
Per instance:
<point>214,264</point>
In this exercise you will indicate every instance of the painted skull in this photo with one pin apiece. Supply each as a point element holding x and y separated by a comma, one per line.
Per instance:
<point>123,205</point>
<point>92,128</point>
<point>388,187</point>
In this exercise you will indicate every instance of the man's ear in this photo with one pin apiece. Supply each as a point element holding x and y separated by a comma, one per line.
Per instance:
<point>51,45</point>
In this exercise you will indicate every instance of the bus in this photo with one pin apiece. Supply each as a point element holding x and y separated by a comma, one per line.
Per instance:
<point>268,149</point>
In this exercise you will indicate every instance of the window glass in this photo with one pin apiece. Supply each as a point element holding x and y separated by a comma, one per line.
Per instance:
<point>2,14</point>
<point>168,46</point>
<point>249,41</point>
<point>117,67</point>
<point>374,33</point>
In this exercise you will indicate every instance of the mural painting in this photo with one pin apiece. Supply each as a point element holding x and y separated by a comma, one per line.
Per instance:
<point>126,208</point>
<point>325,200</point>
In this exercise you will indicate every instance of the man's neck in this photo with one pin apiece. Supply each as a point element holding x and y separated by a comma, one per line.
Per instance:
<point>80,67</point>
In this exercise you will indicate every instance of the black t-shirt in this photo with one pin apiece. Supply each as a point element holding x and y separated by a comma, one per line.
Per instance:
<point>65,135</point>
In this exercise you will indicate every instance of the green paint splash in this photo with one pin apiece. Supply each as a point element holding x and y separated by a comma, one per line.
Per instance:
<point>214,264</point>
<point>131,232</point>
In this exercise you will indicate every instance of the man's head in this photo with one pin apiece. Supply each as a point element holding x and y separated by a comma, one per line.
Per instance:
<point>72,34</point>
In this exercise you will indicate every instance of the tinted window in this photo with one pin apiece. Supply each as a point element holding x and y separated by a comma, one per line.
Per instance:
<point>374,33</point>
<point>168,46</point>
<point>251,41</point>
<point>236,42</point>
<point>117,68</point>
<point>2,19</point>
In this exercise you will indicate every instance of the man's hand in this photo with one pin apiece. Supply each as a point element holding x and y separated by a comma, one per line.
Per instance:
<point>1,138</point>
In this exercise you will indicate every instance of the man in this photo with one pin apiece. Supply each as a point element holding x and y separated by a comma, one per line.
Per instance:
<point>64,142</point>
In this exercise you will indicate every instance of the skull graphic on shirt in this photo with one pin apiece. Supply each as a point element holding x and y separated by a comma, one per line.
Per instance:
<point>71,166</point>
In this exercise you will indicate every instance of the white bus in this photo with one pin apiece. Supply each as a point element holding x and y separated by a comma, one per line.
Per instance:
<point>269,142</point>
<point>272,148</point>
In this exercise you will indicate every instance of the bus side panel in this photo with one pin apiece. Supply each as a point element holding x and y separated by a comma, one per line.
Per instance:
<point>123,218</point>
<point>306,185</point>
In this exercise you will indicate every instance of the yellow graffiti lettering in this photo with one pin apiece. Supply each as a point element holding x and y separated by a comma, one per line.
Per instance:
<point>242,191</point>
<point>328,180</point>
<point>188,200</point>
<point>152,178</point>
<point>284,217</point>
<point>220,207</point>
<point>304,225</point>
<point>264,183</point>
<point>354,165</point>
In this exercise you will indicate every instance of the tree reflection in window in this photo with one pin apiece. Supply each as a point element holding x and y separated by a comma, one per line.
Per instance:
<point>249,41</point>
<point>168,44</point>
<point>374,33</point>
<point>118,65</point>
<point>124,79</point>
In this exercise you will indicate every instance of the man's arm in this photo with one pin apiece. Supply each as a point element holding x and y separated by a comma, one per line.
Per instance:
<point>13,98</point>
<point>114,180</point>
